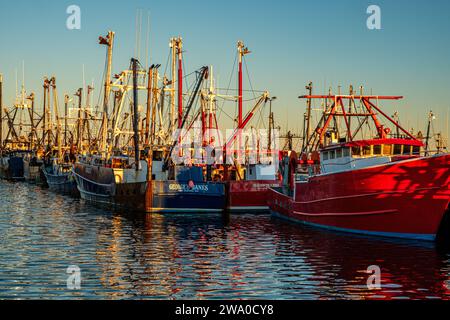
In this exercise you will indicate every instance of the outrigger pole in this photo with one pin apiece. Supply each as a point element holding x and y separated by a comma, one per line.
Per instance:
<point>370,107</point>
<point>109,42</point>
<point>137,157</point>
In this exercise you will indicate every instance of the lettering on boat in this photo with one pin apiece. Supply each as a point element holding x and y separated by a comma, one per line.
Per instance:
<point>184,187</point>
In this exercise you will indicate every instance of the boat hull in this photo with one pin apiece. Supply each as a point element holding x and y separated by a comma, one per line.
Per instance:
<point>98,185</point>
<point>32,172</point>
<point>12,168</point>
<point>407,199</point>
<point>249,195</point>
<point>62,183</point>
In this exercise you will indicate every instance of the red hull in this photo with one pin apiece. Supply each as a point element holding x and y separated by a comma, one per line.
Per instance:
<point>404,199</point>
<point>249,195</point>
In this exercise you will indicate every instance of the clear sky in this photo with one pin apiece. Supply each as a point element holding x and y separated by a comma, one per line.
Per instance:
<point>292,43</point>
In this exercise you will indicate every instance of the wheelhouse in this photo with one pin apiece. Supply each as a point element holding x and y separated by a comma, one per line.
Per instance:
<point>366,153</point>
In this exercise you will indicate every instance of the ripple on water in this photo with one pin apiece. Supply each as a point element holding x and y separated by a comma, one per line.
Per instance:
<point>125,256</point>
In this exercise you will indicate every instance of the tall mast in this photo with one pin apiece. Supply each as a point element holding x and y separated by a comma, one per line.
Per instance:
<point>211,102</point>
<point>66,109</point>
<point>172,92</point>
<point>86,114</point>
<point>49,115</point>
<point>154,105</point>
<point>79,94</point>
<point>109,42</point>
<point>149,98</point>
<point>44,114</point>
<point>33,129</point>
<point>179,44</point>
<point>242,51</point>
<point>135,114</point>
<point>58,122</point>
<point>430,119</point>
<point>240,46</point>
<point>308,117</point>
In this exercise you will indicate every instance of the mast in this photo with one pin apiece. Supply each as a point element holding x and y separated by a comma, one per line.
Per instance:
<point>211,103</point>
<point>31,113</point>
<point>172,92</point>
<point>179,44</point>
<point>86,114</point>
<point>154,105</point>
<point>109,42</point>
<point>44,115</point>
<point>66,109</point>
<point>242,51</point>
<point>271,125</point>
<point>308,116</point>
<point>135,113</point>
<point>58,122</point>
<point>79,94</point>
<point>430,119</point>
<point>149,98</point>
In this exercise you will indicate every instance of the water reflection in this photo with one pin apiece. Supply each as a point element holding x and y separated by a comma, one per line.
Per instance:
<point>125,256</point>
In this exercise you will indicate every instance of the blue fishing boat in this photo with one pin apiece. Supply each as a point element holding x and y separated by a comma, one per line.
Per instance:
<point>12,166</point>
<point>118,183</point>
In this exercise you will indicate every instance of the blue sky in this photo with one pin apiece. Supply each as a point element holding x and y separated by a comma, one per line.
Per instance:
<point>292,43</point>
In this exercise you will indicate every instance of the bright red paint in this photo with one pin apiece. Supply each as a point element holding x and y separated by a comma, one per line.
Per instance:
<point>405,197</point>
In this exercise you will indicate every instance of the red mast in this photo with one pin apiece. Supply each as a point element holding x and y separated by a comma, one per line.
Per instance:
<point>240,47</point>
<point>180,82</point>
<point>242,51</point>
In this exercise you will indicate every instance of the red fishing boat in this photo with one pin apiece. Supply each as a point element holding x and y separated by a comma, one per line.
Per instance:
<point>248,184</point>
<point>387,185</point>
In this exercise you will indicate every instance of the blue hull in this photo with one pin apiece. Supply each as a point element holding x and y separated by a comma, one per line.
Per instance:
<point>163,197</point>
<point>170,196</point>
<point>15,169</point>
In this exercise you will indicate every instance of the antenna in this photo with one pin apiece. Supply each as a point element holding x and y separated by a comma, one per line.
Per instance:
<point>23,82</point>
<point>16,85</point>
<point>84,80</point>
<point>137,51</point>
<point>147,58</point>
<point>140,32</point>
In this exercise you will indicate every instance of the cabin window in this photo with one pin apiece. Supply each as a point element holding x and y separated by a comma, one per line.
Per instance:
<point>356,151</point>
<point>339,153</point>
<point>406,150</point>
<point>332,155</point>
<point>377,150</point>
<point>416,150</point>
<point>397,149</point>
<point>367,150</point>
<point>387,149</point>
<point>346,152</point>
<point>325,155</point>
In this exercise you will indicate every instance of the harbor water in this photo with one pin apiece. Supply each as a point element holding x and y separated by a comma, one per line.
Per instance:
<point>136,256</point>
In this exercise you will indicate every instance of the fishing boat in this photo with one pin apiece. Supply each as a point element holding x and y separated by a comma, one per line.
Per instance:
<point>247,177</point>
<point>129,173</point>
<point>18,159</point>
<point>120,184</point>
<point>59,178</point>
<point>32,164</point>
<point>11,166</point>
<point>381,186</point>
